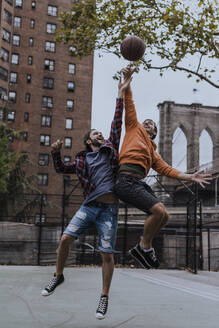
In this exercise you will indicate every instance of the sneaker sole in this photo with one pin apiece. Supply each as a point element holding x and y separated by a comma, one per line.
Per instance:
<point>137,256</point>
<point>99,318</point>
<point>47,293</point>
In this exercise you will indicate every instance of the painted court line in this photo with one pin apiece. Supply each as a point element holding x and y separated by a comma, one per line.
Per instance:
<point>192,291</point>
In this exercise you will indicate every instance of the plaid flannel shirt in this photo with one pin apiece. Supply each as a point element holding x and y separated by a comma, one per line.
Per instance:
<point>78,165</point>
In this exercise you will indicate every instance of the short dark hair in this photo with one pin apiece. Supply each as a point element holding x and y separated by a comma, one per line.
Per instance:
<point>86,138</point>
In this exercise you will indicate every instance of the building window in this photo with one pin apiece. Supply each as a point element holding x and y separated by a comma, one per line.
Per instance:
<point>7,17</point>
<point>48,83</point>
<point>4,54</point>
<point>27,98</point>
<point>18,3</point>
<point>30,60</point>
<point>31,42</point>
<point>71,86</point>
<point>33,5</point>
<point>43,159</point>
<point>3,94</point>
<point>12,96</point>
<point>25,136</point>
<point>46,120</point>
<point>50,28</point>
<point>17,21</point>
<point>68,142</point>
<point>71,68</point>
<point>15,59</point>
<point>44,140</point>
<point>70,104</point>
<point>13,77</point>
<point>37,218</point>
<point>52,10</point>
<point>1,114</point>
<point>26,117</point>
<point>50,46</point>
<point>16,40</point>
<point>10,2</point>
<point>47,102</point>
<point>11,116</point>
<point>68,123</point>
<point>28,77</point>
<point>49,64</point>
<point>32,23</point>
<point>3,74</point>
<point>43,179</point>
<point>67,159</point>
<point>6,36</point>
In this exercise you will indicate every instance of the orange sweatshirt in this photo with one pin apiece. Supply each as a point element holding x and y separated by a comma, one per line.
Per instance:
<point>137,147</point>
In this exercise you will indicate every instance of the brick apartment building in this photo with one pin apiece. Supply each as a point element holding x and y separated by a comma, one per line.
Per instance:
<point>48,89</point>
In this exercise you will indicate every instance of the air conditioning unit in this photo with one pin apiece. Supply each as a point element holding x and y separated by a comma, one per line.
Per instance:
<point>41,162</point>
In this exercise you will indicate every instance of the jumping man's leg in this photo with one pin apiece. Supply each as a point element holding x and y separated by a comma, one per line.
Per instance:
<point>144,252</point>
<point>63,252</point>
<point>107,227</point>
<point>153,224</point>
<point>107,271</point>
<point>77,225</point>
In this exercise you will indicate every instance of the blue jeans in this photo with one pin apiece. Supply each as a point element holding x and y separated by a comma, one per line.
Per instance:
<point>105,218</point>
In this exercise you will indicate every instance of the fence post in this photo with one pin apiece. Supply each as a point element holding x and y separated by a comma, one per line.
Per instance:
<point>200,237</point>
<point>187,236</point>
<point>209,251</point>
<point>63,204</point>
<point>125,235</point>
<point>195,229</point>
<point>40,229</point>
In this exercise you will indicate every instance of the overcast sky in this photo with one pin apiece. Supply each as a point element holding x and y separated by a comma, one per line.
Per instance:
<point>149,89</point>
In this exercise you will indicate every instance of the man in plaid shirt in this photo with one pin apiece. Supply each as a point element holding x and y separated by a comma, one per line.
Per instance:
<point>96,168</point>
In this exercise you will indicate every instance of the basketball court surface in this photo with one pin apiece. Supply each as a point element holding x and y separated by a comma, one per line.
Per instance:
<point>138,299</point>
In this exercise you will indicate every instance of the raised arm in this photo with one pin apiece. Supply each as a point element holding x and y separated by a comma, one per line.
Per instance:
<point>60,166</point>
<point>130,111</point>
<point>116,126</point>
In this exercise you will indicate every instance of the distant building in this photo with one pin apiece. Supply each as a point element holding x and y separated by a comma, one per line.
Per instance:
<point>48,89</point>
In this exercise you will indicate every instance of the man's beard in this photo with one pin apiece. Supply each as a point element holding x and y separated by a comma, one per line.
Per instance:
<point>96,143</point>
<point>150,133</point>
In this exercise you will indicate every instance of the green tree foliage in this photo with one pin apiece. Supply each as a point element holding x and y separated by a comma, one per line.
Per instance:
<point>7,157</point>
<point>176,31</point>
<point>13,181</point>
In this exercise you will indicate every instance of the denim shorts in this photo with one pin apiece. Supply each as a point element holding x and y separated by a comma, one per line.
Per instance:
<point>136,192</point>
<point>103,216</point>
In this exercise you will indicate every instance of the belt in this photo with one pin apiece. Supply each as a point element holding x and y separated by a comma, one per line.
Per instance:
<point>100,204</point>
<point>136,175</point>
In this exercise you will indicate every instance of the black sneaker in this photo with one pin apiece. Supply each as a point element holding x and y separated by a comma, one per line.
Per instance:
<point>54,282</point>
<point>147,260</point>
<point>102,307</point>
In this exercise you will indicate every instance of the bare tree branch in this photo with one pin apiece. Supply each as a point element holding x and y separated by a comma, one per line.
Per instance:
<point>200,76</point>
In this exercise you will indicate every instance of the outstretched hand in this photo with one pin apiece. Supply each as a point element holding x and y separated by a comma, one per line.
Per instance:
<point>201,178</point>
<point>125,84</point>
<point>57,145</point>
<point>128,71</point>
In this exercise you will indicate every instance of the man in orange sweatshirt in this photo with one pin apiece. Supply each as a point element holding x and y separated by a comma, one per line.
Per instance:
<point>138,154</point>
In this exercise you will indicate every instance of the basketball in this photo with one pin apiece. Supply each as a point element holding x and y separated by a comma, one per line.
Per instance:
<point>132,48</point>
